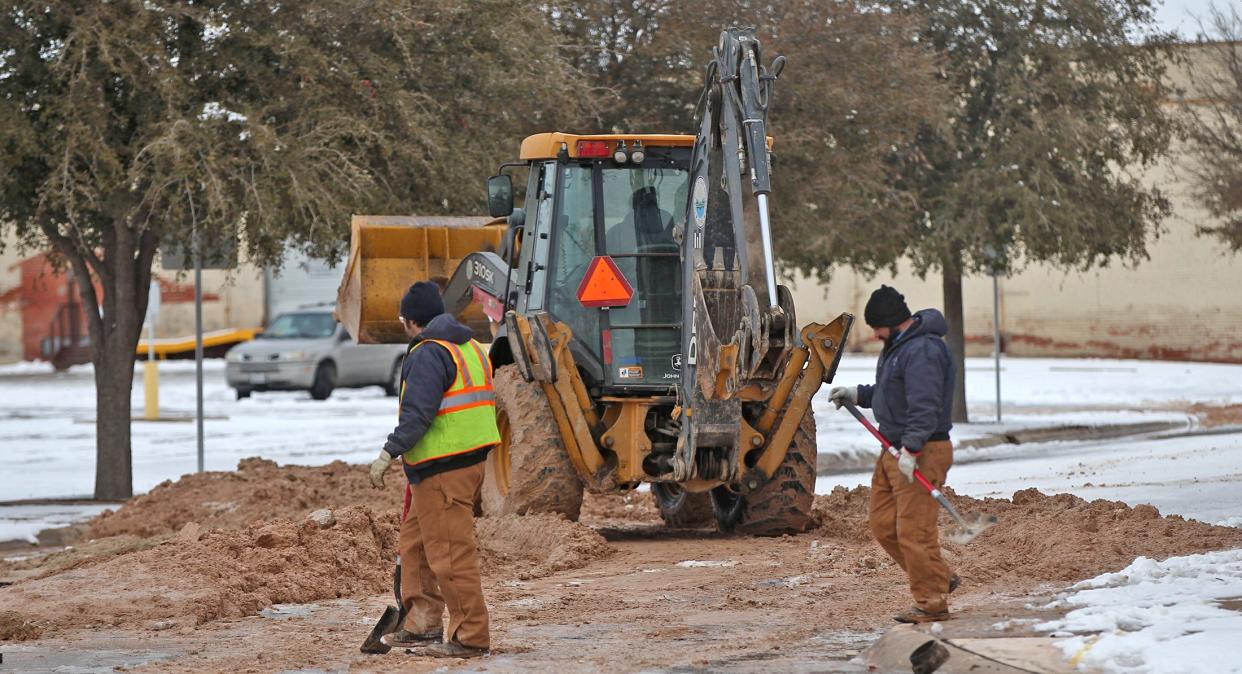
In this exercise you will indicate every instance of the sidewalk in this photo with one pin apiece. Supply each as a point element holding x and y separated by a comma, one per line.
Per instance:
<point>994,640</point>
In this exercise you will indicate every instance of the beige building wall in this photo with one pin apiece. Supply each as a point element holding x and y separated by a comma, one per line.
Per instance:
<point>1185,303</point>
<point>10,317</point>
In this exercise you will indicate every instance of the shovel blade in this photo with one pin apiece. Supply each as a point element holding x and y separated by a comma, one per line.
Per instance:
<point>387,624</point>
<point>970,528</point>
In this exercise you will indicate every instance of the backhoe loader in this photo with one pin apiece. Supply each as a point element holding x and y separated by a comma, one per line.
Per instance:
<point>637,330</point>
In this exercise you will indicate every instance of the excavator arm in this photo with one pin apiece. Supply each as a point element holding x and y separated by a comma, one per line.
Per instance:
<point>739,328</point>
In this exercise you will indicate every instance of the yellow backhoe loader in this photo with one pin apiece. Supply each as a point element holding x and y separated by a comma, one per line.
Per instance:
<point>637,329</point>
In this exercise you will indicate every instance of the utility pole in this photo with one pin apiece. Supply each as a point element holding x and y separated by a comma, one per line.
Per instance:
<point>996,339</point>
<point>198,343</point>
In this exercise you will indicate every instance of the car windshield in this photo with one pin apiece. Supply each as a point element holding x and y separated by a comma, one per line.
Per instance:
<point>309,325</point>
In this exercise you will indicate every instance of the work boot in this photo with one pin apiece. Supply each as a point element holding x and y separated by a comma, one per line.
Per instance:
<point>915,615</point>
<point>955,581</point>
<point>453,649</point>
<point>404,638</point>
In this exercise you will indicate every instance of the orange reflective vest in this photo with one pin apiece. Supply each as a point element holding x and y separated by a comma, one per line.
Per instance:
<point>467,417</point>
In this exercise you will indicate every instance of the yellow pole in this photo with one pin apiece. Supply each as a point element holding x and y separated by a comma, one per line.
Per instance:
<point>151,380</point>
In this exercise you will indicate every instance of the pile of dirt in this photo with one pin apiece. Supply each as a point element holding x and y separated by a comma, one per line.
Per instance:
<point>195,577</point>
<point>75,556</point>
<point>1040,537</point>
<point>224,573</point>
<point>632,506</point>
<point>1217,415</point>
<point>17,627</point>
<point>258,490</point>
<point>530,546</point>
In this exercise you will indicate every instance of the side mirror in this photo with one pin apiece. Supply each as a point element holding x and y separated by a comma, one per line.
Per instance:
<point>342,335</point>
<point>499,196</point>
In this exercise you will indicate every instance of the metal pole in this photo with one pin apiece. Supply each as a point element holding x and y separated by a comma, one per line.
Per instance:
<point>198,344</point>
<point>765,232</point>
<point>996,340</point>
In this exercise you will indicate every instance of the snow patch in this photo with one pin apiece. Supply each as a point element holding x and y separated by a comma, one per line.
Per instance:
<point>1156,616</point>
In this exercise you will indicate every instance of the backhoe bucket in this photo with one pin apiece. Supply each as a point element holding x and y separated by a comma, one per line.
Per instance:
<point>388,253</point>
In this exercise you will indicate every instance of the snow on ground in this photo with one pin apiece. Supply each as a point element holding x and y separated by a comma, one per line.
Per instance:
<point>47,429</point>
<point>1046,392</point>
<point>23,522</point>
<point>47,434</point>
<point>1157,616</point>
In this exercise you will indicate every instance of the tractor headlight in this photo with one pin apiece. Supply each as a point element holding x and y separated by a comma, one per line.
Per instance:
<point>637,155</point>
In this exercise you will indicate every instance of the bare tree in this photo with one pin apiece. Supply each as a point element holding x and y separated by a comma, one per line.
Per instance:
<point>1214,123</point>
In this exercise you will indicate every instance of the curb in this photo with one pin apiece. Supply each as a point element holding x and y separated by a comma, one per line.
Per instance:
<point>918,649</point>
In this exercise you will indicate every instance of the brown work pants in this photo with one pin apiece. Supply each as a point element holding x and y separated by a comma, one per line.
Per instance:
<point>439,564</point>
<point>903,521</point>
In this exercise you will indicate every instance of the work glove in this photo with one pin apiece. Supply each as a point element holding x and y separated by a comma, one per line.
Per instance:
<point>839,395</point>
<point>380,466</point>
<point>906,463</point>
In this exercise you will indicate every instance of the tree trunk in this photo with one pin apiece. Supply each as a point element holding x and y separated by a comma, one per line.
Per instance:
<point>956,339</point>
<point>114,379</point>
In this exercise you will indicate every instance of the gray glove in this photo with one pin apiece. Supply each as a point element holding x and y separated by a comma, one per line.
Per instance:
<point>907,463</point>
<point>839,395</point>
<point>380,466</point>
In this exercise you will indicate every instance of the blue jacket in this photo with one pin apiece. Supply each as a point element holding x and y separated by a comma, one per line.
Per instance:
<point>913,393</point>
<point>428,373</point>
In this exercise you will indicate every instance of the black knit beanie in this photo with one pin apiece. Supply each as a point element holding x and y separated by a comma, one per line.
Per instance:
<point>886,308</point>
<point>422,303</point>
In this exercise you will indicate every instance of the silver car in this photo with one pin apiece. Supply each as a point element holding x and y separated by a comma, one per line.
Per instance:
<point>306,350</point>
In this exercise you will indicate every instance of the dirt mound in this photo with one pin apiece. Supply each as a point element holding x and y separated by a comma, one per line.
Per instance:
<point>196,577</point>
<point>632,506</point>
<point>258,490</point>
<point>1217,415</point>
<point>1039,537</point>
<point>222,574</point>
<point>17,627</point>
<point>529,546</point>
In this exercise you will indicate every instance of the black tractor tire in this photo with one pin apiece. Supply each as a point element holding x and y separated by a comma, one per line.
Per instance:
<point>242,393</point>
<point>783,504</point>
<point>530,471</point>
<point>392,387</point>
<point>682,509</point>
<point>324,382</point>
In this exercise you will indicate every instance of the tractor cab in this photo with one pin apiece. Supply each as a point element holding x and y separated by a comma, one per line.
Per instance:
<point>599,250</point>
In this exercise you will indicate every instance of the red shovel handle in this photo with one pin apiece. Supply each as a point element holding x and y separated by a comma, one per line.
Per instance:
<point>888,446</point>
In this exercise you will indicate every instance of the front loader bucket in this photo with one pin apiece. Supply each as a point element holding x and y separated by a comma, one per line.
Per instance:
<point>388,253</point>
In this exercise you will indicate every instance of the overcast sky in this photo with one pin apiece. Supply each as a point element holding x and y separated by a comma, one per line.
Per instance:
<point>1180,15</point>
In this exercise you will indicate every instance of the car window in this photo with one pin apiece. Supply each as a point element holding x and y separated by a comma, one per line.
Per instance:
<point>308,325</point>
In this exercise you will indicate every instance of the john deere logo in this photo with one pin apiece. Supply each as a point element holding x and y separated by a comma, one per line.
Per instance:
<point>700,201</point>
<point>677,362</point>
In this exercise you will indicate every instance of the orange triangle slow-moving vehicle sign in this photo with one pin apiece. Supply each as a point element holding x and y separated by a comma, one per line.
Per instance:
<point>604,285</point>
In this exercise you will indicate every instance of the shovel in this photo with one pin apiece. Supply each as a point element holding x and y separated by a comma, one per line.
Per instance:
<point>966,531</point>
<point>393,616</point>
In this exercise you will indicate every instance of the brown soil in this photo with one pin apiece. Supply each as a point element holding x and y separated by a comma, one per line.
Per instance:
<point>600,510</point>
<point>17,627</point>
<point>533,546</point>
<point>1044,538</point>
<point>257,490</point>
<point>562,595</point>
<point>1217,415</point>
<point>194,577</point>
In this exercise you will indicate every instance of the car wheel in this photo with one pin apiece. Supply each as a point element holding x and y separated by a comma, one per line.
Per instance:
<point>325,381</point>
<point>393,387</point>
<point>243,393</point>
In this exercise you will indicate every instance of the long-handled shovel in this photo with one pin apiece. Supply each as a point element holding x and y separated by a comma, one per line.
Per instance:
<point>393,616</point>
<point>967,531</point>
